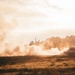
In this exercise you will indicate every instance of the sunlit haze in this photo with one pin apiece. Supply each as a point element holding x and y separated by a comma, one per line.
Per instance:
<point>21,21</point>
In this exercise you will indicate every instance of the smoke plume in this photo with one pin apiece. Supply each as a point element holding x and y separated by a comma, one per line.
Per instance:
<point>48,47</point>
<point>31,50</point>
<point>22,20</point>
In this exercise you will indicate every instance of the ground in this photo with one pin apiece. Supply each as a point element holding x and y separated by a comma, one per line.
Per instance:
<point>37,65</point>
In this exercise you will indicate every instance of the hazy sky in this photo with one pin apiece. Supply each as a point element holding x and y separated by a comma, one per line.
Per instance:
<point>37,18</point>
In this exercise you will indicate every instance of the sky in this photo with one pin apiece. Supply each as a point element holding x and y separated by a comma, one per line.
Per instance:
<point>27,19</point>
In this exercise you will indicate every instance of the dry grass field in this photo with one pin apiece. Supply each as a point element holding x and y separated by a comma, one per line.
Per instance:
<point>35,65</point>
<point>39,65</point>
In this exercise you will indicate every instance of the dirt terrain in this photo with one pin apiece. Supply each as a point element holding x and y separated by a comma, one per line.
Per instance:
<point>39,65</point>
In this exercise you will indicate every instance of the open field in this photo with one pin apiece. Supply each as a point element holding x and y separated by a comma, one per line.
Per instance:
<point>35,65</point>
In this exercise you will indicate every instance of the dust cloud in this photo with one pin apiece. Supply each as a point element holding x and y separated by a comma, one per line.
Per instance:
<point>23,20</point>
<point>49,47</point>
